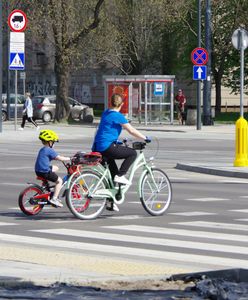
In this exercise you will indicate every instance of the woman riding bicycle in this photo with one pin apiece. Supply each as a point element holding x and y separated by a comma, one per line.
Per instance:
<point>106,140</point>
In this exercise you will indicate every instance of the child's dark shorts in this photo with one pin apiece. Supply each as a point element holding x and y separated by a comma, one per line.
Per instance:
<point>50,176</point>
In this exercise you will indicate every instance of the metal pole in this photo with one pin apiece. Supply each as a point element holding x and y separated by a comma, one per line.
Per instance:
<point>146,103</point>
<point>15,99</point>
<point>241,32</point>
<point>198,127</point>
<point>7,68</point>
<point>207,113</point>
<point>1,62</point>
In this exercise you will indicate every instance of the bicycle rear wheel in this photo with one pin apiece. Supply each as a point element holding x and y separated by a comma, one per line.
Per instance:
<point>156,192</point>
<point>78,200</point>
<point>26,202</point>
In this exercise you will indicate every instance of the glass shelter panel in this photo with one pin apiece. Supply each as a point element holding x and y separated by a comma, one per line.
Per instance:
<point>147,98</point>
<point>150,105</point>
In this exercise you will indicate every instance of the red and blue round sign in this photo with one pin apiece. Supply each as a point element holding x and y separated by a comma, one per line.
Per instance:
<point>17,20</point>
<point>199,56</point>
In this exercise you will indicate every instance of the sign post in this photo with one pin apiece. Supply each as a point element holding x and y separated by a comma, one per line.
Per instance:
<point>17,21</point>
<point>1,63</point>
<point>199,57</point>
<point>240,42</point>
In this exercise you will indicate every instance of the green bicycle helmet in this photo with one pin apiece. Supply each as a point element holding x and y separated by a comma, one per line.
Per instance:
<point>48,135</point>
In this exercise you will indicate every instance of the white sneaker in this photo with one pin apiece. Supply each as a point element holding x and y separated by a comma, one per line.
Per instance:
<point>56,202</point>
<point>112,206</point>
<point>38,128</point>
<point>122,179</point>
<point>20,128</point>
<point>115,207</point>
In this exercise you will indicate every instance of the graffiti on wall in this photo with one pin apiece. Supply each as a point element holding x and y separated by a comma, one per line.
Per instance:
<point>40,88</point>
<point>82,93</point>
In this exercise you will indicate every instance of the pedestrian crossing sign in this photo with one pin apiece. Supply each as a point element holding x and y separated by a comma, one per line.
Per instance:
<point>16,61</point>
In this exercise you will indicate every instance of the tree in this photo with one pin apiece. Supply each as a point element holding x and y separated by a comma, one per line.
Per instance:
<point>227,16</point>
<point>137,25</point>
<point>65,24</point>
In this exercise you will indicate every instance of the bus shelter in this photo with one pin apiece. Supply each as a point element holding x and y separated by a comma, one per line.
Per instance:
<point>148,98</point>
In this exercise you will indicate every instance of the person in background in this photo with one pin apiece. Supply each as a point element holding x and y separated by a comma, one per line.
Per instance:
<point>106,141</point>
<point>27,113</point>
<point>180,101</point>
<point>42,165</point>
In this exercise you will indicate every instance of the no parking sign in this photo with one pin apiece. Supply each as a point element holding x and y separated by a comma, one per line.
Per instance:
<point>199,56</point>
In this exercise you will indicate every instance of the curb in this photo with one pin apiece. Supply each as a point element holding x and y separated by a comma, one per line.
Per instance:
<point>211,170</point>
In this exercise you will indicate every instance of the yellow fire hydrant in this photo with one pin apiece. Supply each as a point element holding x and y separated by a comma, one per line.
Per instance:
<point>241,159</point>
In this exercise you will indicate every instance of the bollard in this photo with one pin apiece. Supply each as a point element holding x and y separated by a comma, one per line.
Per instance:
<point>241,159</point>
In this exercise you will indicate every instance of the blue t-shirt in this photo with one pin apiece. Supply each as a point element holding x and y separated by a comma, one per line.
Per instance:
<point>45,155</point>
<point>109,129</point>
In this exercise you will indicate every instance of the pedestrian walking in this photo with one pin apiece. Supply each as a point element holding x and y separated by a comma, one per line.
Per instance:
<point>180,101</point>
<point>27,113</point>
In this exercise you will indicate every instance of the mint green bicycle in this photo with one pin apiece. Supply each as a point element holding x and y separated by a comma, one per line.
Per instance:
<point>94,187</point>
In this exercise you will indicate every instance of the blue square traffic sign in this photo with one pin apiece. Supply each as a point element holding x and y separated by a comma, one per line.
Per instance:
<point>16,61</point>
<point>199,72</point>
<point>158,88</point>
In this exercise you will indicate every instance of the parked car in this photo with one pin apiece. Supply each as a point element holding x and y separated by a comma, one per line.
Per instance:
<point>19,106</point>
<point>44,109</point>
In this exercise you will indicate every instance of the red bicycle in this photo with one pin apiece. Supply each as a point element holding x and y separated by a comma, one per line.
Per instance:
<point>34,197</point>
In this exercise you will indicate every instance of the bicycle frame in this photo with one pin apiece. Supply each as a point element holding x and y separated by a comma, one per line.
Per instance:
<point>113,190</point>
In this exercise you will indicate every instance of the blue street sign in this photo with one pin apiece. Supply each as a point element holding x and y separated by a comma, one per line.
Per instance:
<point>199,72</point>
<point>16,61</point>
<point>158,88</point>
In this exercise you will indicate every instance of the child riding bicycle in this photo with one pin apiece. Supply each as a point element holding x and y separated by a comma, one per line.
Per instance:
<point>42,166</point>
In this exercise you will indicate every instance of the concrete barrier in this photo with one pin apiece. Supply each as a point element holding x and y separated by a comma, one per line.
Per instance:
<point>191,116</point>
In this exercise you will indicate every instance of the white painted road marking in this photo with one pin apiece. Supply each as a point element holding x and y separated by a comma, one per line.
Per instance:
<point>182,232</point>
<point>215,261</point>
<point>146,240</point>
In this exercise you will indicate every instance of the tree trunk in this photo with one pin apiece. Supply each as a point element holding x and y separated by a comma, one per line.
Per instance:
<point>62,75</point>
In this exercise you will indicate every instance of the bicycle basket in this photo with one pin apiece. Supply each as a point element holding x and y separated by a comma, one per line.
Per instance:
<point>91,158</point>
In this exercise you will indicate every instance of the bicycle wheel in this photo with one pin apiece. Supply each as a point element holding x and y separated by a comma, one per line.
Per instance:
<point>156,194</point>
<point>78,200</point>
<point>26,202</point>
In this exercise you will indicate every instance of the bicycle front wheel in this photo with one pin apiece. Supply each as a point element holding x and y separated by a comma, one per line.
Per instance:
<point>78,198</point>
<point>156,192</point>
<point>26,202</point>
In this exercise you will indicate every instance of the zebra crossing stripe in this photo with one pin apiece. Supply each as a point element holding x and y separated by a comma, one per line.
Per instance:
<point>146,240</point>
<point>89,248</point>
<point>182,232</point>
<point>7,224</point>
<point>216,225</point>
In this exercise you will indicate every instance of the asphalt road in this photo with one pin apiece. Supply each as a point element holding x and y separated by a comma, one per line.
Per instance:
<point>204,229</point>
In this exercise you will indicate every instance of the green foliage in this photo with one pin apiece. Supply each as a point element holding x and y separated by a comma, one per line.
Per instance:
<point>229,117</point>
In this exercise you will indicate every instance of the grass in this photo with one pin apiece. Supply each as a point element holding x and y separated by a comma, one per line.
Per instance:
<point>229,117</point>
<point>224,117</point>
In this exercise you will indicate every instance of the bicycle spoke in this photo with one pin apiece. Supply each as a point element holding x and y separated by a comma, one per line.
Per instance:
<point>152,199</point>
<point>83,206</point>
